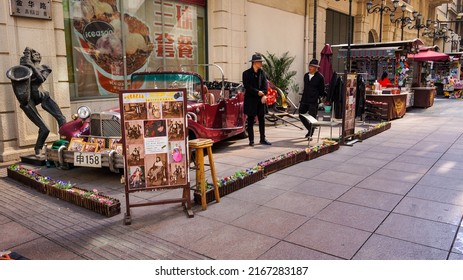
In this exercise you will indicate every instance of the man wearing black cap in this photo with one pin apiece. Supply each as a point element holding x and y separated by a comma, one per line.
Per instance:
<point>255,101</point>
<point>314,87</point>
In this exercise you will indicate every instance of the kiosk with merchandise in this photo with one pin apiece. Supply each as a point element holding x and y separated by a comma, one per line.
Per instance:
<point>391,57</point>
<point>423,86</point>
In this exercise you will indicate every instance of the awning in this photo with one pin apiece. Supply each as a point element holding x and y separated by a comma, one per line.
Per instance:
<point>428,55</point>
<point>372,53</point>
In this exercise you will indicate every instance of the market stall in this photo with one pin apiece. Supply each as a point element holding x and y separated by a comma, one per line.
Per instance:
<point>374,59</point>
<point>396,104</point>
<point>423,87</point>
<point>447,76</point>
<point>423,96</point>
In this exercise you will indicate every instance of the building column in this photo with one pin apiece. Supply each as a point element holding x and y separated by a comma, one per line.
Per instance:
<point>18,134</point>
<point>227,37</point>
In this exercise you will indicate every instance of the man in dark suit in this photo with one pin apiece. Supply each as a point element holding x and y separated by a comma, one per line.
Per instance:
<point>255,101</point>
<point>314,87</point>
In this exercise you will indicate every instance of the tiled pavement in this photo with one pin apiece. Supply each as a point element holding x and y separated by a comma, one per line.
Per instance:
<point>398,195</point>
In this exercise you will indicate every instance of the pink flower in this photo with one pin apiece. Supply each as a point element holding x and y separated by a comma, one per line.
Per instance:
<point>95,191</point>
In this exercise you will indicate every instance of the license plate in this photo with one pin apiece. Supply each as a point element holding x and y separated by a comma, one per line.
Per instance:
<point>87,159</point>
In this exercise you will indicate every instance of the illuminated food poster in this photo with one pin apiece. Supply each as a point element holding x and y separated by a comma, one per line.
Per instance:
<point>113,39</point>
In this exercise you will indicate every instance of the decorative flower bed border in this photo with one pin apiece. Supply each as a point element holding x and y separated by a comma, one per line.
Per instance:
<point>282,161</point>
<point>91,200</point>
<point>370,132</point>
<point>243,179</point>
<point>29,178</point>
<point>320,150</point>
<point>232,183</point>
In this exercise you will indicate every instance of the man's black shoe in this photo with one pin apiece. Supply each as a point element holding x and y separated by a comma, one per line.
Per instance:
<point>308,135</point>
<point>251,144</point>
<point>265,142</point>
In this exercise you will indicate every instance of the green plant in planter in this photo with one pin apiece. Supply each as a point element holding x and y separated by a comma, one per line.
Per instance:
<point>278,69</point>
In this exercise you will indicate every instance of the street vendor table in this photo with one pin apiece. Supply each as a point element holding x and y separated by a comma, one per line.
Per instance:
<point>396,103</point>
<point>424,96</point>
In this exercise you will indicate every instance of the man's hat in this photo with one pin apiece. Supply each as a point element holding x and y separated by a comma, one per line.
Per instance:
<point>314,63</point>
<point>256,57</point>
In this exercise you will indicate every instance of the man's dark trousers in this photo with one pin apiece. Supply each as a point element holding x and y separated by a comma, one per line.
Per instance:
<point>312,108</point>
<point>250,120</point>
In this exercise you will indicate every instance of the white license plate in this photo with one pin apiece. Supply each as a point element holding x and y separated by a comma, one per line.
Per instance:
<point>87,159</point>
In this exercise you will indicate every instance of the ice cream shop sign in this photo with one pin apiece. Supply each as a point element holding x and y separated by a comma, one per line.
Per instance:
<point>95,30</point>
<point>40,9</point>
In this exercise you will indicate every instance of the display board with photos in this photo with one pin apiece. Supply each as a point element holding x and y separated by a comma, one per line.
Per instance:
<point>154,136</point>
<point>348,123</point>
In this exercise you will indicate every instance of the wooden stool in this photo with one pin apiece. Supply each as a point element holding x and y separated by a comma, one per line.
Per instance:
<point>199,145</point>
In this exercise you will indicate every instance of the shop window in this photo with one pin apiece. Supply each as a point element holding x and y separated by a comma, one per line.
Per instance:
<point>154,35</point>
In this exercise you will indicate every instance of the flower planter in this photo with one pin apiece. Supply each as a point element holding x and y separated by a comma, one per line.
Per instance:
<point>28,181</point>
<point>252,178</point>
<point>333,147</point>
<point>73,196</point>
<point>321,150</point>
<point>313,155</point>
<point>91,200</point>
<point>223,191</point>
<point>279,164</point>
<point>362,135</point>
<point>300,156</point>
<point>230,186</point>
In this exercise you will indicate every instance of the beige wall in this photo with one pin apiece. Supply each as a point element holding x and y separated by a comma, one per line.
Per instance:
<point>18,134</point>
<point>266,33</point>
<point>292,6</point>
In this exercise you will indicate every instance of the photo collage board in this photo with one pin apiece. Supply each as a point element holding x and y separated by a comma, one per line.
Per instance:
<point>155,136</point>
<point>348,127</point>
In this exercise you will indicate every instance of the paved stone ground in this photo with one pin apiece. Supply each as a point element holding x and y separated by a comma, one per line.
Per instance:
<point>397,195</point>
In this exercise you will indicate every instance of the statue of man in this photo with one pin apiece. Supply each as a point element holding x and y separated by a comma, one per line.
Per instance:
<point>27,85</point>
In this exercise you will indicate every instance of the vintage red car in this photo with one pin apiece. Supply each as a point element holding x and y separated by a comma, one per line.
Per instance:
<point>215,109</point>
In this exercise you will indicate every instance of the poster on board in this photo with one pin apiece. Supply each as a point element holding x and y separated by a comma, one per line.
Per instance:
<point>154,144</point>
<point>154,139</point>
<point>348,124</point>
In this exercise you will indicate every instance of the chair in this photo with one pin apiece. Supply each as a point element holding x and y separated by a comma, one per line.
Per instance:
<point>210,97</point>
<point>201,144</point>
<point>277,111</point>
<point>326,122</point>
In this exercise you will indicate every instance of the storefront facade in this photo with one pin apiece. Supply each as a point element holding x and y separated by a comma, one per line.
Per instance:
<point>83,42</point>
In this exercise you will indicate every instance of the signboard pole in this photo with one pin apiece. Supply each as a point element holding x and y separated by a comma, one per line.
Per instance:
<point>154,137</point>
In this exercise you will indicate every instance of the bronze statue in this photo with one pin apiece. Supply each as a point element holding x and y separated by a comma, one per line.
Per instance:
<point>27,79</point>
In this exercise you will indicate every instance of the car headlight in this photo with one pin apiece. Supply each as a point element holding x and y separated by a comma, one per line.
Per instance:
<point>83,112</point>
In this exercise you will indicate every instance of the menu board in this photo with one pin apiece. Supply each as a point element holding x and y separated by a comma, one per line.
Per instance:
<point>154,138</point>
<point>348,124</point>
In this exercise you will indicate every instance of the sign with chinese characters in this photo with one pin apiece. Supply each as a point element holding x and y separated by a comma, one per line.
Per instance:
<point>40,9</point>
<point>87,159</point>
<point>175,32</point>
